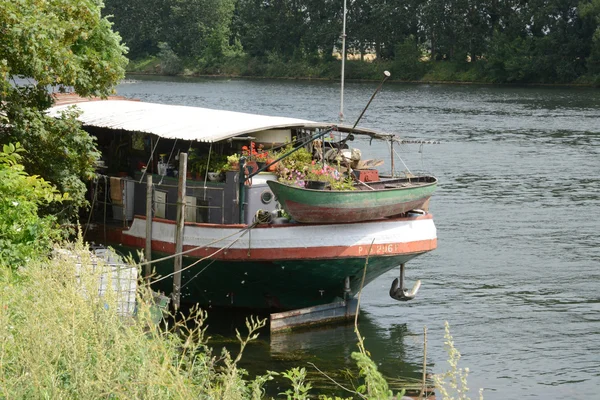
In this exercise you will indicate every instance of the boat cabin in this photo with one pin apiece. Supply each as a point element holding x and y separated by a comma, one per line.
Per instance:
<point>139,139</point>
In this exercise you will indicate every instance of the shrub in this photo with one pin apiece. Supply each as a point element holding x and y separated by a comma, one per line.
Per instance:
<point>24,235</point>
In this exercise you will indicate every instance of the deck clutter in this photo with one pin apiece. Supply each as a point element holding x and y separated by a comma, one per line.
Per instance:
<point>257,212</point>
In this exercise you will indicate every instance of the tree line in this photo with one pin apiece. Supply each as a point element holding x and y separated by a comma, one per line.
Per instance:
<point>489,40</point>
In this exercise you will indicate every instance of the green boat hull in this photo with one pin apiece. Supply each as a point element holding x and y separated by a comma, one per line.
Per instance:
<point>272,286</point>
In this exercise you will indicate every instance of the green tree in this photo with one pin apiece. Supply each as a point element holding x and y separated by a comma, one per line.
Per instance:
<point>590,11</point>
<point>55,44</point>
<point>23,234</point>
<point>142,24</point>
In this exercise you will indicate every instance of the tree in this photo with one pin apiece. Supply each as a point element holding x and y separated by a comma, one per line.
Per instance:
<point>23,234</point>
<point>55,44</point>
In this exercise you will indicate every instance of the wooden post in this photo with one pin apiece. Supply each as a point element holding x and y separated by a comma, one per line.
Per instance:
<point>179,230</point>
<point>148,254</point>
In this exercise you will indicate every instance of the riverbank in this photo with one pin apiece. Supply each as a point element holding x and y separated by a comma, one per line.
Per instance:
<point>357,71</point>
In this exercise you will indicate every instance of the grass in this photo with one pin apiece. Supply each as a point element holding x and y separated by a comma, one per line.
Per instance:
<point>60,340</point>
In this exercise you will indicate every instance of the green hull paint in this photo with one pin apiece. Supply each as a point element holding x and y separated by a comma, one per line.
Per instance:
<point>272,285</point>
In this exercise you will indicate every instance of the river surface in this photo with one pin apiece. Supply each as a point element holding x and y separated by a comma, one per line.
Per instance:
<point>517,269</point>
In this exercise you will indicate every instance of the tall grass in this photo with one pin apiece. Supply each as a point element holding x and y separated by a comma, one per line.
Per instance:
<point>59,340</point>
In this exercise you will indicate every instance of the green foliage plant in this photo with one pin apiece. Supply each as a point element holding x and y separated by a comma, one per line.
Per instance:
<point>59,341</point>
<point>300,388</point>
<point>60,45</point>
<point>452,384</point>
<point>293,168</point>
<point>343,184</point>
<point>407,63</point>
<point>170,63</point>
<point>24,235</point>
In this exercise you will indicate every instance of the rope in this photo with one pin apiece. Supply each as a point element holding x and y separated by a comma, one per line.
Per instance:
<point>150,159</point>
<point>199,272</point>
<point>244,231</point>
<point>196,248</point>
<point>168,161</point>
<point>92,207</point>
<point>400,158</point>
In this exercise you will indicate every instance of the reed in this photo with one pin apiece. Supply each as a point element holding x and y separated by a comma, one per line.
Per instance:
<point>59,340</point>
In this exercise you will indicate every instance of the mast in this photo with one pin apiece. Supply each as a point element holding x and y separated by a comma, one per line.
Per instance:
<point>343,65</point>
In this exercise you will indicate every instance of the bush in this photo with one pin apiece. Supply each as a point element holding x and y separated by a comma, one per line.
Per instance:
<point>170,63</point>
<point>24,235</point>
<point>407,61</point>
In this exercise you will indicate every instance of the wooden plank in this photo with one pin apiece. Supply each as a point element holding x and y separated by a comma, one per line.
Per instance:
<point>310,316</point>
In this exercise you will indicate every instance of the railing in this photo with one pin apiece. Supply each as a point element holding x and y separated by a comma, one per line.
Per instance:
<point>122,201</point>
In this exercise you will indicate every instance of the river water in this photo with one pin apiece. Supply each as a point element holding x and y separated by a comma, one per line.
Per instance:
<point>517,269</point>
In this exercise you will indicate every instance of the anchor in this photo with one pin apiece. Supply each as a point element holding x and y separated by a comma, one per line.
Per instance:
<point>398,292</point>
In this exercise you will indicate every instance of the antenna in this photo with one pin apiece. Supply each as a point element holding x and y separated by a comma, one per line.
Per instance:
<point>343,66</point>
<point>386,76</point>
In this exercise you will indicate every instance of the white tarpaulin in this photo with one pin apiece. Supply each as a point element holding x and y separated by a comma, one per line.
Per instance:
<point>178,122</point>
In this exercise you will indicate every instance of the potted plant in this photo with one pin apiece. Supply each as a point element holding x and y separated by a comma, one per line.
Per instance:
<point>318,176</point>
<point>233,163</point>
<point>257,154</point>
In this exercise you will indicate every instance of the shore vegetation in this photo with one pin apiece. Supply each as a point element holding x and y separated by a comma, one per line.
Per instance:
<point>487,41</point>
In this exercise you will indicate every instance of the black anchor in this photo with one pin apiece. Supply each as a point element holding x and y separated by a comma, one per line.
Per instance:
<point>398,292</point>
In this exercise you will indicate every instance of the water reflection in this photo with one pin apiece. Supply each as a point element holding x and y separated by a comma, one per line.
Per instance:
<point>329,348</point>
<point>518,263</point>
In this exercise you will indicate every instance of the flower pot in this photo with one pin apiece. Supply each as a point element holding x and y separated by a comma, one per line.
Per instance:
<point>315,185</point>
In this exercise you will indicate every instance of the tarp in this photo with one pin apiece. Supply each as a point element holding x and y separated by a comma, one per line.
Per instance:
<point>178,122</point>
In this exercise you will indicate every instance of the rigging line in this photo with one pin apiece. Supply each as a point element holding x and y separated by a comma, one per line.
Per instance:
<point>201,271</point>
<point>214,260</point>
<point>400,158</point>
<point>203,258</point>
<point>150,159</point>
<point>105,201</point>
<point>242,231</point>
<point>168,160</point>
<point>92,207</point>
<point>206,172</point>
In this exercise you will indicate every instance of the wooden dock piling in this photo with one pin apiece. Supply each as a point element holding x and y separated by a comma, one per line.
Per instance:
<point>179,230</point>
<point>148,252</point>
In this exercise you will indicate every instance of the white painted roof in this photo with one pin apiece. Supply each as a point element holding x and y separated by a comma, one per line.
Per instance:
<point>178,122</point>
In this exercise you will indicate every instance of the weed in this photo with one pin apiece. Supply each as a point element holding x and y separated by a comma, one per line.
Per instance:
<point>454,381</point>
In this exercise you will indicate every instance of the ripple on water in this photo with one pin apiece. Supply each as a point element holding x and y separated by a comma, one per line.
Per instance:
<point>517,267</point>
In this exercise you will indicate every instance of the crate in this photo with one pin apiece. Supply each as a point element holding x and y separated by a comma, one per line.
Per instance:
<point>367,175</point>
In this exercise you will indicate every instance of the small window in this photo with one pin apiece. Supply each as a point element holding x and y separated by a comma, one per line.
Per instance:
<point>266,197</point>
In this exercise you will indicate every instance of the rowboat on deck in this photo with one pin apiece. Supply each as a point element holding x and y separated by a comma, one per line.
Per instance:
<point>382,199</point>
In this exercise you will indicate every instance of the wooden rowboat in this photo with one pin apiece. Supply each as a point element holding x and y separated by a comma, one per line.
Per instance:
<point>382,199</point>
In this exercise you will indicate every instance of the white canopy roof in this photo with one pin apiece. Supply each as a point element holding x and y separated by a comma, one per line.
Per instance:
<point>178,122</point>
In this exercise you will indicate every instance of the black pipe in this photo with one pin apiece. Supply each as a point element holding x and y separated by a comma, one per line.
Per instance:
<point>387,75</point>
